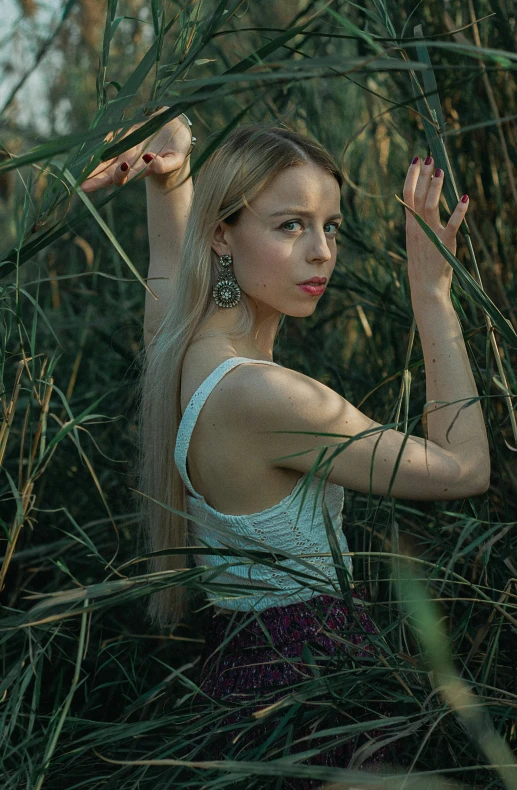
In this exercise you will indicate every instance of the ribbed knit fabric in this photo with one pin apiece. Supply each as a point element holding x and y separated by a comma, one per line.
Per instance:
<point>292,525</point>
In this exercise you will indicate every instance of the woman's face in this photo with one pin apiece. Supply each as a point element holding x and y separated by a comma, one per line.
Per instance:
<point>286,236</point>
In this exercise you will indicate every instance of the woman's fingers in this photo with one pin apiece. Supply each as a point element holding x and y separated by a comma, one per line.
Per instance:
<point>423,188</point>
<point>422,185</point>
<point>410,182</point>
<point>102,176</point>
<point>166,163</point>
<point>121,174</point>
<point>457,216</point>
<point>432,203</point>
<point>127,166</point>
<point>422,192</point>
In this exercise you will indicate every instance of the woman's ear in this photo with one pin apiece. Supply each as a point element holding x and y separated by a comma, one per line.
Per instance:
<point>220,240</point>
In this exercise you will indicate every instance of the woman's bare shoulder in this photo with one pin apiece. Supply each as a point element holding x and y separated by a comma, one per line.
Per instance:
<point>276,393</point>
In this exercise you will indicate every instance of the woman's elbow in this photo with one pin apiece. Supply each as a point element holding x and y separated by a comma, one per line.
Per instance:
<point>481,480</point>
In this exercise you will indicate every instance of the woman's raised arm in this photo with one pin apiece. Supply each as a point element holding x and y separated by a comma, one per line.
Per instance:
<point>460,427</point>
<point>168,205</point>
<point>163,160</point>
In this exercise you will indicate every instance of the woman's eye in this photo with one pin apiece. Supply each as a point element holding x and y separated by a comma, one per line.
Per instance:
<point>291,222</point>
<point>334,225</point>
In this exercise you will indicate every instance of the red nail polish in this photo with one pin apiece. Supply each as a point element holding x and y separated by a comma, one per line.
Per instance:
<point>464,198</point>
<point>124,166</point>
<point>437,173</point>
<point>415,160</point>
<point>148,158</point>
<point>428,160</point>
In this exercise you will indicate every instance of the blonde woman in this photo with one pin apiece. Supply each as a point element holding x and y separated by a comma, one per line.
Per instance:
<point>229,437</point>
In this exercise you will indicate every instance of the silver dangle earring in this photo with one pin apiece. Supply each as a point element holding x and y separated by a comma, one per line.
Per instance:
<point>226,293</point>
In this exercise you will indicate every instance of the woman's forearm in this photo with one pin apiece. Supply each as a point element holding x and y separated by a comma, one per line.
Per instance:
<point>449,378</point>
<point>168,206</point>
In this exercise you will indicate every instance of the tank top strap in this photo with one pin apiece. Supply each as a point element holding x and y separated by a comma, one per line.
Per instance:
<point>193,409</point>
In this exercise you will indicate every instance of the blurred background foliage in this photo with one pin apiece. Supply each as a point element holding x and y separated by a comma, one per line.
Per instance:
<point>82,675</point>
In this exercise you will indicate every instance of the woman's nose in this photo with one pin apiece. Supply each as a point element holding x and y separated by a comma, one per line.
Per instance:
<point>320,248</point>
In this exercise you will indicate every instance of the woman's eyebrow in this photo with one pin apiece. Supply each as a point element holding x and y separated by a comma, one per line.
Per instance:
<point>302,213</point>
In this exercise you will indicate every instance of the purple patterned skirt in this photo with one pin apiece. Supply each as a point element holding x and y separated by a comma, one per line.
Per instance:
<point>267,651</point>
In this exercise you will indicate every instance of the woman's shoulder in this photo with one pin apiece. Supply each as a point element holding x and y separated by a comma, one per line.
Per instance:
<point>201,360</point>
<point>274,391</point>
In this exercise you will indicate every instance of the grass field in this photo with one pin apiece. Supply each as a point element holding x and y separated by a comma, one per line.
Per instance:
<point>90,696</point>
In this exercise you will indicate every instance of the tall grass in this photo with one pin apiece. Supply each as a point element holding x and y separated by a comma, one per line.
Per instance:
<point>89,697</point>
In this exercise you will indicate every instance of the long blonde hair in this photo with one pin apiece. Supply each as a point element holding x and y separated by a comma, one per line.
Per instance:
<point>233,175</point>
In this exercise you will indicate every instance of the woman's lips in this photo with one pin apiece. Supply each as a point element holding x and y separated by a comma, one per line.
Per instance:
<point>312,288</point>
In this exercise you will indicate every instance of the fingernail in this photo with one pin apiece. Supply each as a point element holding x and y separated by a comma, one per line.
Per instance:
<point>428,160</point>
<point>414,161</point>
<point>437,173</point>
<point>464,198</point>
<point>148,158</point>
<point>124,166</point>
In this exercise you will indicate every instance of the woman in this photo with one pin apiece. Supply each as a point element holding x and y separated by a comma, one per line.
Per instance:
<point>235,452</point>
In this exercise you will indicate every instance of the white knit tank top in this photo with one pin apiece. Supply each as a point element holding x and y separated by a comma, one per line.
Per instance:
<point>291,526</point>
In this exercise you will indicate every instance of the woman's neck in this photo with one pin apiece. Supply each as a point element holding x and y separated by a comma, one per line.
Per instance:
<point>250,346</point>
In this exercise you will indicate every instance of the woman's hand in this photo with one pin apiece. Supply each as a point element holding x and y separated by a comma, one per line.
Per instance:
<point>428,271</point>
<point>162,155</point>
